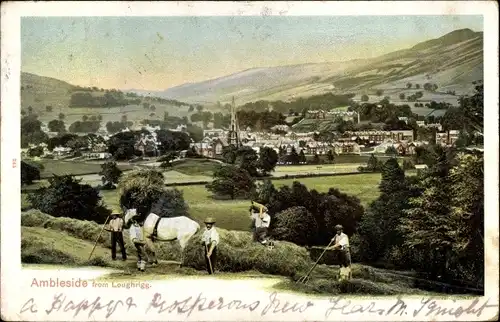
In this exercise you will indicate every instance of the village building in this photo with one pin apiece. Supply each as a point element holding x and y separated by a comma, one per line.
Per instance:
<point>210,147</point>
<point>447,138</point>
<point>214,133</point>
<point>148,145</point>
<point>378,137</point>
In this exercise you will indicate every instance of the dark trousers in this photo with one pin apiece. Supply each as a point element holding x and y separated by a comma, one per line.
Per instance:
<point>260,234</point>
<point>117,237</point>
<point>141,254</point>
<point>213,259</point>
<point>344,257</point>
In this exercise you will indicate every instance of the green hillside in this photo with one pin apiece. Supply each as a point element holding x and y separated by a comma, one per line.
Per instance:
<point>48,97</point>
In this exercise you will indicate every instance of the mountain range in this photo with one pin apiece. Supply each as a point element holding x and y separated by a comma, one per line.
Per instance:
<point>452,61</point>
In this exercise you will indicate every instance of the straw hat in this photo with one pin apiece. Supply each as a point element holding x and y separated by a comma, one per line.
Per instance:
<point>117,211</point>
<point>339,227</point>
<point>210,220</point>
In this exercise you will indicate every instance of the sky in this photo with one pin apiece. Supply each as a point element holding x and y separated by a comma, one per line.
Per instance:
<point>156,53</point>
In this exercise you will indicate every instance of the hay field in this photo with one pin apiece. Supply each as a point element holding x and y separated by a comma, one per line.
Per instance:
<point>66,243</point>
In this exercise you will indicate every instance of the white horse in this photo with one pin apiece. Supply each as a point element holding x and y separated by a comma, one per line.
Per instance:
<point>167,230</point>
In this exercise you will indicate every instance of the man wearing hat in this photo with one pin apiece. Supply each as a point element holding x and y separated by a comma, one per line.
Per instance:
<point>341,244</point>
<point>260,221</point>
<point>210,241</point>
<point>115,226</point>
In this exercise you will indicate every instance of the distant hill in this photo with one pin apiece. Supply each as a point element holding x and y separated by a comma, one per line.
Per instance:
<point>41,91</point>
<point>452,62</point>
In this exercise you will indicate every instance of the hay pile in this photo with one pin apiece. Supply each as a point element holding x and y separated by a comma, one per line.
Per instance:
<point>237,252</point>
<point>89,230</point>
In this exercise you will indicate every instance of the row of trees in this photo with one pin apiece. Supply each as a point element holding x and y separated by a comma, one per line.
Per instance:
<point>323,101</point>
<point>432,222</point>
<point>427,86</point>
<point>236,178</point>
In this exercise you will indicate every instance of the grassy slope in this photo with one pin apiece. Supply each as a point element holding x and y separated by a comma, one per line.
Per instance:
<point>40,91</point>
<point>61,250</point>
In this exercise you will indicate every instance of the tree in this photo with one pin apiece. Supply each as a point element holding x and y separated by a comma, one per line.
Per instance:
<point>29,173</point>
<point>199,108</point>
<point>85,118</point>
<point>124,118</point>
<point>231,181</point>
<point>48,108</point>
<point>379,228</point>
<point>265,192</point>
<point>302,157</point>
<point>30,110</point>
<point>99,117</point>
<point>195,132</point>
<point>57,126</point>
<point>191,108</point>
<point>379,92</point>
<point>23,112</point>
<point>35,152</point>
<point>170,203</point>
<point>417,86</point>
<point>293,157</point>
<point>402,96</point>
<point>419,94</point>
<point>316,159</point>
<point>391,150</point>
<point>166,159</point>
<point>295,225</point>
<point>110,174</point>
<point>364,98</point>
<point>67,197</point>
<point>268,158</point>
<point>121,145</point>
<point>61,116</point>
<point>330,156</point>
<point>31,131</point>
<point>409,85</point>
<point>426,224</point>
<point>247,159</point>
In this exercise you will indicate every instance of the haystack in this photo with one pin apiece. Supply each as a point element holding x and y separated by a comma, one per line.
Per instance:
<point>237,252</point>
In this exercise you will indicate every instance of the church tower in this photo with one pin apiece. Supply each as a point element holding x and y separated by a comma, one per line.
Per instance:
<point>234,130</point>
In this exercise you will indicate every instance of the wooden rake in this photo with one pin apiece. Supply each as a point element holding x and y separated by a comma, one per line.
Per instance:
<point>305,279</point>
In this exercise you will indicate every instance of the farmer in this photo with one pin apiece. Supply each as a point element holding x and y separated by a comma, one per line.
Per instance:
<point>115,226</point>
<point>210,241</point>
<point>341,244</point>
<point>261,221</point>
<point>137,237</point>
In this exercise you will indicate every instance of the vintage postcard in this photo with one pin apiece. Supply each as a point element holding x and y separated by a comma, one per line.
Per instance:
<point>254,161</point>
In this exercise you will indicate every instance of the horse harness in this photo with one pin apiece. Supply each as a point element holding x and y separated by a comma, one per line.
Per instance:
<point>154,235</point>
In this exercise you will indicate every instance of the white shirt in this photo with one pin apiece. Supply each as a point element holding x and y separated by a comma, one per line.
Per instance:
<point>210,236</point>
<point>135,232</point>
<point>342,240</point>
<point>264,222</point>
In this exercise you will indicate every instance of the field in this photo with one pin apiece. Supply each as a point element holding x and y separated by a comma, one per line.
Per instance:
<point>59,247</point>
<point>59,167</point>
<point>233,214</point>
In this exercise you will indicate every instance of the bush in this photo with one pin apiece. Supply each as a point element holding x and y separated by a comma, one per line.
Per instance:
<point>66,197</point>
<point>237,252</point>
<point>408,165</point>
<point>232,181</point>
<point>295,225</point>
